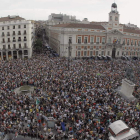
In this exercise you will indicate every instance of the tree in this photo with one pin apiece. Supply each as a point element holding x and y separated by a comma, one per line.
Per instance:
<point>38,45</point>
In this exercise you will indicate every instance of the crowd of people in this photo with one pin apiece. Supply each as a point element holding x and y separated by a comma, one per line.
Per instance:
<point>82,99</point>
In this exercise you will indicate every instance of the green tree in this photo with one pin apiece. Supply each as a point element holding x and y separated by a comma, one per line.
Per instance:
<point>38,45</point>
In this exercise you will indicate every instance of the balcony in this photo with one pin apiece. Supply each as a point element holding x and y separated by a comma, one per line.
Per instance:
<point>19,33</point>
<point>97,42</point>
<point>8,41</point>
<point>3,34</point>
<point>24,33</point>
<point>8,34</point>
<point>14,40</point>
<point>14,34</point>
<point>19,39</point>
<point>103,42</point>
<point>3,42</point>
<point>25,40</point>
<point>91,42</point>
<point>79,42</point>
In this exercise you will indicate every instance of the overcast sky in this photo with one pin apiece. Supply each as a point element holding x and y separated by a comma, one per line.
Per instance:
<point>94,10</point>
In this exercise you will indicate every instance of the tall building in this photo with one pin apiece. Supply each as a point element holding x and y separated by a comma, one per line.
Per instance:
<point>97,38</point>
<point>55,19</point>
<point>16,39</point>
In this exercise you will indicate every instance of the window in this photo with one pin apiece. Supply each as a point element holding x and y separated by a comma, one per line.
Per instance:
<point>91,47</point>
<point>122,53</point>
<point>103,40</point>
<point>14,46</point>
<point>110,18</point>
<point>19,39</point>
<point>102,53</point>
<point>26,39</point>
<point>97,40</point>
<point>119,41</point>
<point>4,47</point>
<point>78,53</point>
<point>3,40</point>
<point>135,42</point>
<point>85,53</point>
<point>139,43</point>
<point>8,34</point>
<point>91,53</point>
<point>96,52</point>
<point>9,47</point>
<point>8,28</point>
<point>13,32</point>
<point>131,42</point>
<point>108,53</point>
<point>14,39</point>
<point>79,40</point>
<point>127,41</point>
<point>109,40</point>
<point>124,42</point>
<point>25,45</point>
<point>8,39</point>
<point>19,45</point>
<point>14,27</point>
<point>2,28</point>
<point>118,53</point>
<point>70,39</point>
<point>2,33</point>
<point>19,26</point>
<point>79,47</point>
<point>85,47</point>
<point>85,39</point>
<point>116,18</point>
<point>19,33</point>
<point>25,33</point>
<point>91,39</point>
<point>24,26</point>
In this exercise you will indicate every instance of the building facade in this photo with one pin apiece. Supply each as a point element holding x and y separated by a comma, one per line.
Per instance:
<point>16,39</point>
<point>97,38</point>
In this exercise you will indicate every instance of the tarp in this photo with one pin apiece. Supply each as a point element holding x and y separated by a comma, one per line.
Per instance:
<point>63,126</point>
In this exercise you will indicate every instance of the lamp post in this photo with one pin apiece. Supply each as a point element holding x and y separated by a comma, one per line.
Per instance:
<point>69,52</point>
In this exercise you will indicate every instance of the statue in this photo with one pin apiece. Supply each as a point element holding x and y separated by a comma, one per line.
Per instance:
<point>130,74</point>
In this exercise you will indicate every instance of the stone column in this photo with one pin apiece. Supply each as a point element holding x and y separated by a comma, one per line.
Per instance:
<point>17,54</point>
<point>1,55</point>
<point>6,55</point>
<point>22,54</point>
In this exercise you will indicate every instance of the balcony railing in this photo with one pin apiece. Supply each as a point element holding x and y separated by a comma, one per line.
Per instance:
<point>8,34</point>
<point>91,42</point>
<point>103,42</point>
<point>3,41</point>
<point>79,42</point>
<point>19,39</point>
<point>97,42</point>
<point>85,42</point>
<point>19,33</point>
<point>3,34</point>
<point>25,40</point>
<point>8,41</point>
<point>14,34</point>
<point>24,33</point>
<point>14,40</point>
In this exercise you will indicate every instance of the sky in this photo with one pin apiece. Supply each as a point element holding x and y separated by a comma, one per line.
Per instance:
<point>94,10</point>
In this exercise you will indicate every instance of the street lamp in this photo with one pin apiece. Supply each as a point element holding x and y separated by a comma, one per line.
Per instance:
<point>69,52</point>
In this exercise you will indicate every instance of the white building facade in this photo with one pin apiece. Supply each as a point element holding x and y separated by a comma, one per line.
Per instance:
<point>105,38</point>
<point>16,39</point>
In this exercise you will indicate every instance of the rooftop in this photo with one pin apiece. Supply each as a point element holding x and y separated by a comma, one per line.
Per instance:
<point>79,25</point>
<point>10,18</point>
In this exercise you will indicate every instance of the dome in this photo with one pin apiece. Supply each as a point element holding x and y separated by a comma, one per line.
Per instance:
<point>114,5</point>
